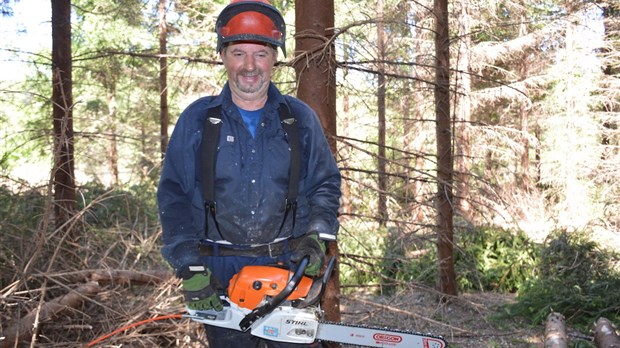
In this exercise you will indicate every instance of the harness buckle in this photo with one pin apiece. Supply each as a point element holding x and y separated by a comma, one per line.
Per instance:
<point>211,205</point>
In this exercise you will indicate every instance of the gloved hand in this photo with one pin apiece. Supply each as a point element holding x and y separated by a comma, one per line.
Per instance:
<point>200,290</point>
<point>314,248</point>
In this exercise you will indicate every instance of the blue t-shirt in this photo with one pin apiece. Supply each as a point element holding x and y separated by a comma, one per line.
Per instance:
<point>251,119</point>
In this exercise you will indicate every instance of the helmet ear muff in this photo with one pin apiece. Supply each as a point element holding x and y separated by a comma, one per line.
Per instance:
<point>251,21</point>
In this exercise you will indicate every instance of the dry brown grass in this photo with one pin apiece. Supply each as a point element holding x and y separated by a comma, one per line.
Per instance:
<point>47,306</point>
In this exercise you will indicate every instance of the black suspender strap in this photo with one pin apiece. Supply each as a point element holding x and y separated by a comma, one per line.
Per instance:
<point>208,151</point>
<point>289,124</point>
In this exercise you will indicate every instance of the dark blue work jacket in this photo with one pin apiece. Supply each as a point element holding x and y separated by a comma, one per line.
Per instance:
<point>251,180</point>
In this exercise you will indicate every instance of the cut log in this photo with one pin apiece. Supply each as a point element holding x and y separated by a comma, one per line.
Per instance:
<point>22,330</point>
<point>605,335</point>
<point>555,331</point>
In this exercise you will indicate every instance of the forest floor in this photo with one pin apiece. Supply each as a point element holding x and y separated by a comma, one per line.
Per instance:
<point>470,320</point>
<point>467,321</point>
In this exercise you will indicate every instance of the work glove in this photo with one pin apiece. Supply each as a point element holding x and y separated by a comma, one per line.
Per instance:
<point>200,289</point>
<point>312,247</point>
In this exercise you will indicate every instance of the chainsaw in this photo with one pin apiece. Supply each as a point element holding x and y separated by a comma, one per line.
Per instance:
<point>273,303</point>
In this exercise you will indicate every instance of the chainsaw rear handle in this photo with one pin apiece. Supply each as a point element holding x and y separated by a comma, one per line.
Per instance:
<point>277,300</point>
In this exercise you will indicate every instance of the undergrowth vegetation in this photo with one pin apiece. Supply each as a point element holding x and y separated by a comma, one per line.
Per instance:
<point>117,230</point>
<point>567,273</point>
<point>575,277</point>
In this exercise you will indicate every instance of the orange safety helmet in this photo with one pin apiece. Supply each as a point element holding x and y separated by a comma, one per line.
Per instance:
<point>244,20</point>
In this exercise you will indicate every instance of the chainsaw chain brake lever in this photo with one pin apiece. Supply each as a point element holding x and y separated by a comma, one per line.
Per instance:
<point>277,300</point>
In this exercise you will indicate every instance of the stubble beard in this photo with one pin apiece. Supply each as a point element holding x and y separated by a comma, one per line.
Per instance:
<point>249,88</point>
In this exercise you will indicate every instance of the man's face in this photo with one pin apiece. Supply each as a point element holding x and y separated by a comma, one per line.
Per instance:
<point>249,67</point>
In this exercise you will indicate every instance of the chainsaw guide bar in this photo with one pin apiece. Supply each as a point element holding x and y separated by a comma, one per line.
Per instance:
<point>371,336</point>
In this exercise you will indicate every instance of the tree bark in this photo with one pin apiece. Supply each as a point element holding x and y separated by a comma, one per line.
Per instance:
<point>113,146</point>
<point>315,66</point>
<point>381,156</point>
<point>463,103</point>
<point>605,335</point>
<point>163,77</point>
<point>413,110</point>
<point>555,331</point>
<point>524,118</point>
<point>445,196</point>
<point>62,115</point>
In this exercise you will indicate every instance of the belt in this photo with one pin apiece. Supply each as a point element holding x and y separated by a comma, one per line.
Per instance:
<point>272,250</point>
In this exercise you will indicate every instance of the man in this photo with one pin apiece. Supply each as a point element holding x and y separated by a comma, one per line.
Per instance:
<point>249,210</point>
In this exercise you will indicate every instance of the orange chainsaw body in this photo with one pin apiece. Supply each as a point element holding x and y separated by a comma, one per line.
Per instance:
<point>253,284</point>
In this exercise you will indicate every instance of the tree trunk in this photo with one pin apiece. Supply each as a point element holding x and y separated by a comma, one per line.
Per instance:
<point>445,247</point>
<point>346,206</point>
<point>463,113</point>
<point>524,115</point>
<point>381,156</point>
<point>315,66</point>
<point>113,146</point>
<point>413,109</point>
<point>163,76</point>
<point>62,115</point>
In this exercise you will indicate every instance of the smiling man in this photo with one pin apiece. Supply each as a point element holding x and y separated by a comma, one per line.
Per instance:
<point>248,177</point>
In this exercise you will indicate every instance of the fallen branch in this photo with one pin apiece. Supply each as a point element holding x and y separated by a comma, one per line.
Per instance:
<point>605,334</point>
<point>123,277</point>
<point>555,331</point>
<point>120,277</point>
<point>22,330</point>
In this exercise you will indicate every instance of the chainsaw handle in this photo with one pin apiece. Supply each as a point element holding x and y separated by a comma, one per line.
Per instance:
<point>277,300</point>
